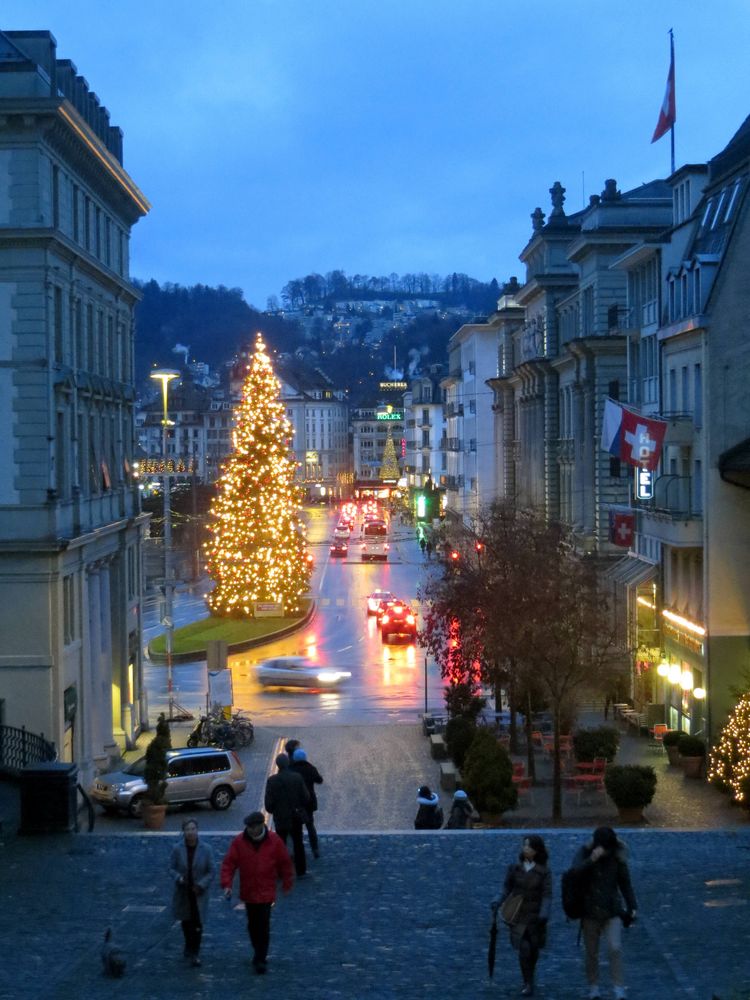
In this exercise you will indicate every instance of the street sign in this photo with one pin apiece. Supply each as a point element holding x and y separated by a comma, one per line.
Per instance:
<point>268,609</point>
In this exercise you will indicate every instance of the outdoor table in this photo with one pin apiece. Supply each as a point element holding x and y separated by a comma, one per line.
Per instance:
<point>588,767</point>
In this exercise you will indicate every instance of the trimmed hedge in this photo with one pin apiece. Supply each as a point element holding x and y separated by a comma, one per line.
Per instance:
<point>630,786</point>
<point>459,735</point>
<point>604,741</point>
<point>488,775</point>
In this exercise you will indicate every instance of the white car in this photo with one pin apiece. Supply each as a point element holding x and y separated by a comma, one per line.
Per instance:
<point>298,671</point>
<point>374,599</point>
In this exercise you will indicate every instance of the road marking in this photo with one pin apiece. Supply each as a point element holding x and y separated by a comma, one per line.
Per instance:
<point>343,649</point>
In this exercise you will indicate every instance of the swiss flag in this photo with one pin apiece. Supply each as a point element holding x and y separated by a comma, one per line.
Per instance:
<point>641,439</point>
<point>668,110</point>
<point>621,528</point>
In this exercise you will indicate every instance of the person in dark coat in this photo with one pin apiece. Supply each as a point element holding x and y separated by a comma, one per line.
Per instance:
<point>429,811</point>
<point>262,860</point>
<point>191,868</point>
<point>603,863</point>
<point>462,813</point>
<point>311,777</point>
<point>288,800</point>
<point>530,878</point>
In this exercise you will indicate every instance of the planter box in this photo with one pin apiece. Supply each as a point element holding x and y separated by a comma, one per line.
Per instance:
<point>630,814</point>
<point>692,766</point>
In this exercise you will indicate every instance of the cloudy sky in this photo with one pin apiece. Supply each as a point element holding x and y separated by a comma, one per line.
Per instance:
<point>275,138</point>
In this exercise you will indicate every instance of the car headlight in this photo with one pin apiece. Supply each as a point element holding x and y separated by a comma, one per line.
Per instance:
<point>328,676</point>
<point>410,619</point>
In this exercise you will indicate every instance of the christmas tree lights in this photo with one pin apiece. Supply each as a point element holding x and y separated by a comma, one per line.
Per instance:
<point>258,548</point>
<point>729,762</point>
<point>389,467</point>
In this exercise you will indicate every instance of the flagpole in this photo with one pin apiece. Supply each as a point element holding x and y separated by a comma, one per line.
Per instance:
<point>671,57</point>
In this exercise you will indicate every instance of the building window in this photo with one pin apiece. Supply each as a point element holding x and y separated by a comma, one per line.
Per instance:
<point>56,197</point>
<point>697,396</point>
<point>672,389</point>
<point>57,323</point>
<point>76,210</point>
<point>685,402</point>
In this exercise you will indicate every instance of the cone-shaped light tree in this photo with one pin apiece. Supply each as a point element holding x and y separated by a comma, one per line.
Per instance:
<point>389,466</point>
<point>258,549</point>
<point>729,764</point>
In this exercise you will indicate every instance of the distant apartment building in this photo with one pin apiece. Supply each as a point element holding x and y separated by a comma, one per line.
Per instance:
<point>424,429</point>
<point>72,532</point>
<point>470,475</point>
<point>372,426</point>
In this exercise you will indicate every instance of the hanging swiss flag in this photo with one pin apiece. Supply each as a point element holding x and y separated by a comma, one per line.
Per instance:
<point>641,439</point>
<point>668,110</point>
<point>621,528</point>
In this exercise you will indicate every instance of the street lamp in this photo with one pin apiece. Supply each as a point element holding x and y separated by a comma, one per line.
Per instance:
<point>165,376</point>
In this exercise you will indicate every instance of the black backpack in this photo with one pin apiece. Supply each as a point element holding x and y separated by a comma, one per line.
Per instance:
<point>573,885</point>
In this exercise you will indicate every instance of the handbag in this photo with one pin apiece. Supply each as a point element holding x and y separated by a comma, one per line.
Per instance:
<point>510,910</point>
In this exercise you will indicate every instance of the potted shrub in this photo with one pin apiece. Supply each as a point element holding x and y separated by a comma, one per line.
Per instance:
<point>692,755</point>
<point>488,777</point>
<point>588,744</point>
<point>155,776</point>
<point>670,740</point>
<point>459,734</point>
<point>631,787</point>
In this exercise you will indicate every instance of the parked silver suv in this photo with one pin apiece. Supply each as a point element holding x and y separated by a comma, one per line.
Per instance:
<point>193,775</point>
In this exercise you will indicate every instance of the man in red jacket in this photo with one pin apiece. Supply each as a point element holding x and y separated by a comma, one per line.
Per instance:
<point>262,859</point>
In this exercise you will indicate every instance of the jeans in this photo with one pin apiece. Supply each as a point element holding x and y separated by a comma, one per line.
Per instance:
<point>611,931</point>
<point>259,929</point>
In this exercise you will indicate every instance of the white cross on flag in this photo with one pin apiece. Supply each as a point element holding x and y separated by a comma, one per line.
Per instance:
<point>621,528</point>
<point>641,439</point>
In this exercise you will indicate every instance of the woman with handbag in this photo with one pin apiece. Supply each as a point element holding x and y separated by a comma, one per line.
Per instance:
<point>524,905</point>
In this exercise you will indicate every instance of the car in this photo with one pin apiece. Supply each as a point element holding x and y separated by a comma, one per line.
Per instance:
<point>400,621</point>
<point>339,547</point>
<point>383,608</point>
<point>374,599</point>
<point>298,671</point>
<point>342,531</point>
<point>193,775</point>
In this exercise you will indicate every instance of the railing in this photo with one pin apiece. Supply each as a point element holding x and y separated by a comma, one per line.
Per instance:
<point>19,748</point>
<point>673,497</point>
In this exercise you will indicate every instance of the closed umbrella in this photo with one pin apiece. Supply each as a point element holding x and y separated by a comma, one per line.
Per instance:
<point>493,945</point>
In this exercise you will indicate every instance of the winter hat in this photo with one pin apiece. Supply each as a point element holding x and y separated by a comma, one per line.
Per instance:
<point>254,819</point>
<point>282,761</point>
<point>605,836</point>
<point>424,792</point>
<point>299,754</point>
<point>460,794</point>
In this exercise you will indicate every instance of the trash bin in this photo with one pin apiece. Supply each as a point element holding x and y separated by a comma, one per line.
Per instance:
<point>48,797</point>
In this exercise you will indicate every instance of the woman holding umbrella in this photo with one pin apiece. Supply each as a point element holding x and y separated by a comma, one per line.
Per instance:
<point>524,905</point>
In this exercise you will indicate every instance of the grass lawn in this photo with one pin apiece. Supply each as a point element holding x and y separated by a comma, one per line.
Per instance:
<point>192,638</point>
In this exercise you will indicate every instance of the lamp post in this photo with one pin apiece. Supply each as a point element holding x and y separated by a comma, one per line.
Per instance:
<point>165,376</point>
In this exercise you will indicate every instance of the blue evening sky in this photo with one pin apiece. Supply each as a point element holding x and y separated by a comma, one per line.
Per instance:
<point>275,138</point>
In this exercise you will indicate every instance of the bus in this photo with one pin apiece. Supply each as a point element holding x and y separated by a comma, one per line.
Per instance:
<point>374,541</point>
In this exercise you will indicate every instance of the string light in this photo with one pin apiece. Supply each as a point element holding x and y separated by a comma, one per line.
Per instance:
<point>258,548</point>
<point>729,762</point>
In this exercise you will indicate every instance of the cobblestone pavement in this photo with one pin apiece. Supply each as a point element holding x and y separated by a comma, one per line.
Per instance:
<point>380,916</point>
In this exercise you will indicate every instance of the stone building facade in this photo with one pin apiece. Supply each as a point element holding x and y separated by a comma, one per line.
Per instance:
<point>70,545</point>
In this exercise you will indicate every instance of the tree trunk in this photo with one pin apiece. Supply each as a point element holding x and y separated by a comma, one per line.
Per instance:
<point>512,706</point>
<point>530,742</point>
<point>556,770</point>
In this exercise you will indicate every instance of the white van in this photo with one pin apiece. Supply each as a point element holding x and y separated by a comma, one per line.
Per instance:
<point>374,541</point>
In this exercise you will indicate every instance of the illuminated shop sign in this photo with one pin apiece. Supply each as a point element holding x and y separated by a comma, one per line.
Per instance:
<point>392,415</point>
<point>644,484</point>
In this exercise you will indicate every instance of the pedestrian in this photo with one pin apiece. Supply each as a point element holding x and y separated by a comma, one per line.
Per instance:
<point>462,813</point>
<point>422,544</point>
<point>429,813</point>
<point>311,777</point>
<point>287,800</point>
<point>605,877</point>
<point>289,747</point>
<point>428,546</point>
<point>262,860</point>
<point>531,879</point>
<point>191,867</point>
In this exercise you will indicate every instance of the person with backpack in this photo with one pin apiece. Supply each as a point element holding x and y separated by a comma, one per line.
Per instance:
<point>462,813</point>
<point>311,777</point>
<point>429,812</point>
<point>600,871</point>
<point>529,880</point>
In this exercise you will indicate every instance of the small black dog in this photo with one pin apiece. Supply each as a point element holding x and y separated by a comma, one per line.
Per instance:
<point>113,958</point>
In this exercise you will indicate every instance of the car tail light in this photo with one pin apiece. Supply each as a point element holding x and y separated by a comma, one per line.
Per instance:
<point>410,619</point>
<point>385,619</point>
<point>234,754</point>
<point>386,546</point>
<point>397,609</point>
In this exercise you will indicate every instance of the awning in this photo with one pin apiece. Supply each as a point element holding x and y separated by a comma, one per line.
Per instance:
<point>734,465</point>
<point>630,572</point>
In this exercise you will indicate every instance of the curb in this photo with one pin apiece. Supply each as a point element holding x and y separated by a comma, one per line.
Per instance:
<point>237,647</point>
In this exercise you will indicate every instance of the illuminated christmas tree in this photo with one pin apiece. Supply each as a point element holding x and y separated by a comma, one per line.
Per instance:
<point>258,548</point>
<point>730,758</point>
<point>389,466</point>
